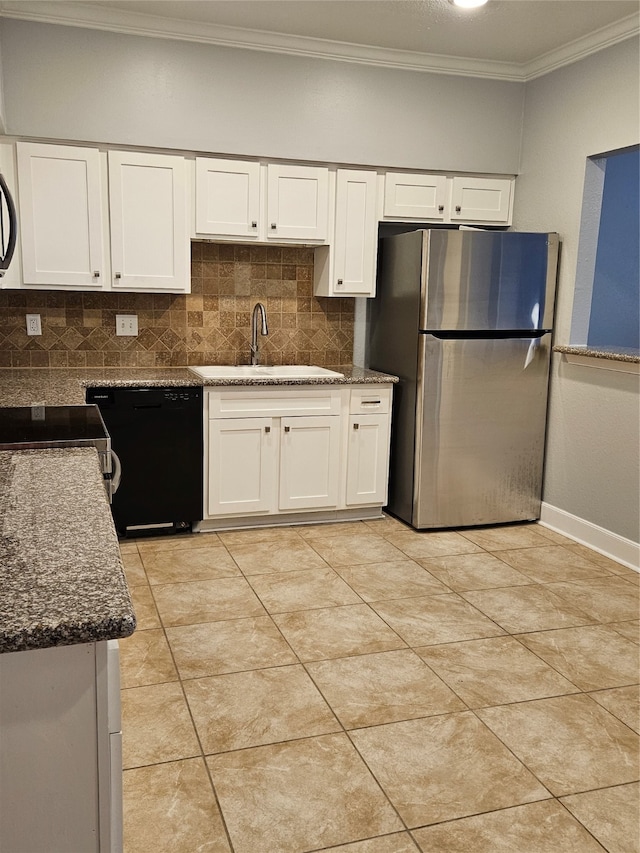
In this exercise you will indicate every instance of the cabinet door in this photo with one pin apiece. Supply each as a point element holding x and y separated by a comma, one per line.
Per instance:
<point>242,457</point>
<point>413,196</point>
<point>149,228</point>
<point>368,459</point>
<point>481,200</point>
<point>297,203</point>
<point>227,197</point>
<point>61,217</point>
<point>309,462</point>
<point>356,235</point>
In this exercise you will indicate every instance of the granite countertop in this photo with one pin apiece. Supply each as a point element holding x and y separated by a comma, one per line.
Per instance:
<point>61,575</point>
<point>22,386</point>
<point>631,356</point>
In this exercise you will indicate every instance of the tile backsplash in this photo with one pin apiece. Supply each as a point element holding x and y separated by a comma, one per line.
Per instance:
<point>211,325</point>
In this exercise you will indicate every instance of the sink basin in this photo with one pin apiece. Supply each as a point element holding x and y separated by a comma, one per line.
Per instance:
<point>264,371</point>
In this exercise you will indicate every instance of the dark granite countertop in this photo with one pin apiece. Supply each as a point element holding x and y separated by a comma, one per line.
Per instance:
<point>22,386</point>
<point>61,575</point>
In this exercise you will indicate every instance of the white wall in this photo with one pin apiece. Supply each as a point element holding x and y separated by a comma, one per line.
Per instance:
<point>593,442</point>
<point>69,83</point>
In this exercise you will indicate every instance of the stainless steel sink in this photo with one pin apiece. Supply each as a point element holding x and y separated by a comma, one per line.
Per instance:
<point>264,371</point>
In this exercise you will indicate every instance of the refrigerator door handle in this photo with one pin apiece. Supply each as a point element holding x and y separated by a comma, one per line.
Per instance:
<point>497,334</point>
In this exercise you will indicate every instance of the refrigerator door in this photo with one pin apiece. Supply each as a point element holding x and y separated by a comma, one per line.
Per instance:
<point>481,412</point>
<point>488,280</point>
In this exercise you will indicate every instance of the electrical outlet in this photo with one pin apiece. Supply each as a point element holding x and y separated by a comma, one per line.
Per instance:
<point>127,325</point>
<point>34,326</point>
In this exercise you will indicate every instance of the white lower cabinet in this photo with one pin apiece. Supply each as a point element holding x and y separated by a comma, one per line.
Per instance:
<point>242,466</point>
<point>309,462</point>
<point>368,459</point>
<point>60,750</point>
<point>280,451</point>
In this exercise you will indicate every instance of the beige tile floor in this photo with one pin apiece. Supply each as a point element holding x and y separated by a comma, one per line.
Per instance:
<point>365,688</point>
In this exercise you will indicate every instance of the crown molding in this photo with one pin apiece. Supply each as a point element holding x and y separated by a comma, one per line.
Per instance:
<point>90,16</point>
<point>574,51</point>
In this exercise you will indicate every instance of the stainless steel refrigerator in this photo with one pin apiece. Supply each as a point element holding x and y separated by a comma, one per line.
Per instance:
<point>464,318</point>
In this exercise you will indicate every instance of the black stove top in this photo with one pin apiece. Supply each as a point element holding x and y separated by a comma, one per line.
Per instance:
<point>28,427</point>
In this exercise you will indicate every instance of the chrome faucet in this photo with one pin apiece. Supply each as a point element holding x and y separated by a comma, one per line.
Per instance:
<point>258,311</point>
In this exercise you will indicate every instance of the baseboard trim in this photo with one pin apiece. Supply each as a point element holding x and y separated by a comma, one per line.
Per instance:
<point>622,550</point>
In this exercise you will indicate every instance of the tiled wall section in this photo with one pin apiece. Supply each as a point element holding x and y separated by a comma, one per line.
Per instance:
<point>209,326</point>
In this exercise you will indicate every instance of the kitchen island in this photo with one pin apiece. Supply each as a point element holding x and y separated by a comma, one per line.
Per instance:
<point>63,598</point>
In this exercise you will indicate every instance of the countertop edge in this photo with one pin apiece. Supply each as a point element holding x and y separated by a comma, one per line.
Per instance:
<point>587,352</point>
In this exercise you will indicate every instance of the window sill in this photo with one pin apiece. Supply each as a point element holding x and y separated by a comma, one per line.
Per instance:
<point>622,360</point>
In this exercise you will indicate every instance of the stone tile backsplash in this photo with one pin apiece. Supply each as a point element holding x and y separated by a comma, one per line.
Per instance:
<point>211,325</point>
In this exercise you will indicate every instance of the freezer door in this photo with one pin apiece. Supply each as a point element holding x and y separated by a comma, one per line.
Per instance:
<point>480,430</point>
<point>487,280</point>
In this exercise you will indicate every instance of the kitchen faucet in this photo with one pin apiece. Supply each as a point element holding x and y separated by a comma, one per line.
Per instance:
<point>258,310</point>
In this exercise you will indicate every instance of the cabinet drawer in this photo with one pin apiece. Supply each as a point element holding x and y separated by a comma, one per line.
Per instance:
<point>366,401</point>
<point>274,403</point>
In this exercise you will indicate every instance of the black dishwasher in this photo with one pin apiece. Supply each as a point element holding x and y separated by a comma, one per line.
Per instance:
<point>157,434</point>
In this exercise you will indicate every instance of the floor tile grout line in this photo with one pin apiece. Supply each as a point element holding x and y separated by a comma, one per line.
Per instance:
<point>412,648</point>
<point>202,755</point>
<point>198,737</point>
<point>516,636</point>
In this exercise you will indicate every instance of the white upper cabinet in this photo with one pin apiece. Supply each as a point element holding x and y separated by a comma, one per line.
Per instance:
<point>67,199</point>
<point>261,203</point>
<point>413,196</point>
<point>481,199</point>
<point>228,198</point>
<point>61,216</point>
<point>149,223</point>
<point>448,198</point>
<point>347,267</point>
<point>297,203</point>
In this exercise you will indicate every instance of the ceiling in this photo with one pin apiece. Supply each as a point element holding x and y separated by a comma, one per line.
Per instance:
<point>509,39</point>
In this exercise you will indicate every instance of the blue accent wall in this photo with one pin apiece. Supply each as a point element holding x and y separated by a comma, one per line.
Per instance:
<point>615,301</point>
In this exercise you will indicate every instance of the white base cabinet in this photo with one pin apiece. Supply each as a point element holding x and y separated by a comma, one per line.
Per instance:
<point>368,459</point>
<point>309,462</point>
<point>61,750</point>
<point>276,451</point>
